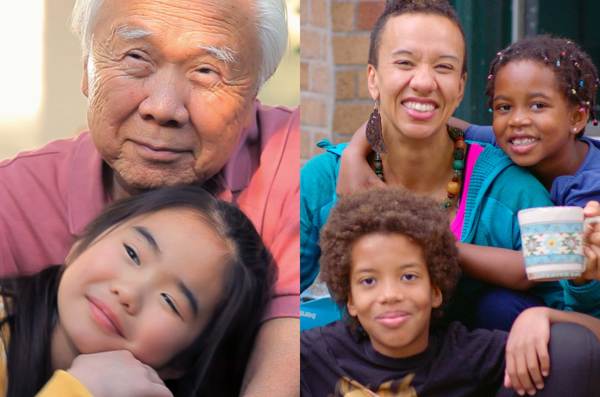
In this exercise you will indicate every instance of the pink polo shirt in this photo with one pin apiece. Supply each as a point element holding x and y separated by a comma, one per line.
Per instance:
<point>48,196</point>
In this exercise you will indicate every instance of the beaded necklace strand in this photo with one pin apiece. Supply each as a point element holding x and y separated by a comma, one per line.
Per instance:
<point>458,165</point>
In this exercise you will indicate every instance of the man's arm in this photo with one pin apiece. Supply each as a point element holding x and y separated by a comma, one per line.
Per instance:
<point>274,368</point>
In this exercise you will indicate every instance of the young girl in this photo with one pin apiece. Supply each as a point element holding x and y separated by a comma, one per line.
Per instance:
<point>174,276</point>
<point>542,91</point>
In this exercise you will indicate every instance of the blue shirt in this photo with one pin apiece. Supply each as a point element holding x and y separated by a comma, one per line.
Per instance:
<point>576,189</point>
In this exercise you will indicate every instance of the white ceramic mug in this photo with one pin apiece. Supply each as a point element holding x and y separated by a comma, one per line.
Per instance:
<point>552,242</point>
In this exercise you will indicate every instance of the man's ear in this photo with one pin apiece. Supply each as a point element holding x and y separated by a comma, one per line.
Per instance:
<point>85,77</point>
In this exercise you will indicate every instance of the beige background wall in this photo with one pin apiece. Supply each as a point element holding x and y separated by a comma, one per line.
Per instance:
<point>62,111</point>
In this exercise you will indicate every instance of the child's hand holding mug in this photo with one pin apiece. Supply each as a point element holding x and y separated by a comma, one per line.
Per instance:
<point>591,238</point>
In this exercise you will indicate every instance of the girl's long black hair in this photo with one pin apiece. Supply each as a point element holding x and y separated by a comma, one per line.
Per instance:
<point>30,305</point>
<point>215,362</point>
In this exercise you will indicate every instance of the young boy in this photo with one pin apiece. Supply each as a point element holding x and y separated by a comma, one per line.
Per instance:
<point>389,258</point>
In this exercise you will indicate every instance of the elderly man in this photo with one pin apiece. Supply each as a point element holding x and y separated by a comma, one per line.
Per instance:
<point>172,99</point>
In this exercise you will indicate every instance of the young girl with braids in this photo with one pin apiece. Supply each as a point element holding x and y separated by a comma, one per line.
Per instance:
<point>542,93</point>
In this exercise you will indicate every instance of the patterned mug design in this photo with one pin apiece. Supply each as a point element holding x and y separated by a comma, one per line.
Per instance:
<point>553,250</point>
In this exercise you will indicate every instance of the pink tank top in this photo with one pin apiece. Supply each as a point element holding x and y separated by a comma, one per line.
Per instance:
<point>457,223</point>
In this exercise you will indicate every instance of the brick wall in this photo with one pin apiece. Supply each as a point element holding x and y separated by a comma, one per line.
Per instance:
<point>316,74</point>
<point>334,43</point>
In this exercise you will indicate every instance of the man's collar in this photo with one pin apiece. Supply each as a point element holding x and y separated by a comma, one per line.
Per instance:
<point>241,166</point>
<point>85,196</point>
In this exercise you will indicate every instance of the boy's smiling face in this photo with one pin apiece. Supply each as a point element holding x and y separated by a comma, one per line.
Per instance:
<point>391,293</point>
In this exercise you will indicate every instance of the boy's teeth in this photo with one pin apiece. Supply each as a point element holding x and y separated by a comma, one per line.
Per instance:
<point>523,141</point>
<point>419,107</point>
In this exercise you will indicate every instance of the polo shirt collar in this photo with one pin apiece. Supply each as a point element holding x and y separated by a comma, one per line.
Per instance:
<point>241,166</point>
<point>85,197</point>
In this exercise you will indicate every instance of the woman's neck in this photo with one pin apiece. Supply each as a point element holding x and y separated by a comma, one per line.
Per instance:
<point>567,163</point>
<point>62,349</point>
<point>422,166</point>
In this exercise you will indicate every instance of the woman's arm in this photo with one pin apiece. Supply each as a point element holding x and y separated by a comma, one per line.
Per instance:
<point>458,123</point>
<point>498,266</point>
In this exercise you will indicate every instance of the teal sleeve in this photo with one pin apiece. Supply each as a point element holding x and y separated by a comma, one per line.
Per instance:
<point>513,189</point>
<point>317,193</point>
<point>583,298</point>
<point>528,192</point>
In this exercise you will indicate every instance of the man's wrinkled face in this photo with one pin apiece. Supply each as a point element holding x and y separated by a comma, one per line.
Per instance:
<point>171,86</point>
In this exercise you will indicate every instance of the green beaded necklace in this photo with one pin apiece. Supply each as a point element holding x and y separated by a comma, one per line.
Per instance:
<point>458,166</point>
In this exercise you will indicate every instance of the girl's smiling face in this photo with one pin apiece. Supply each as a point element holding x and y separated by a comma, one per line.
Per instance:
<point>149,285</point>
<point>533,121</point>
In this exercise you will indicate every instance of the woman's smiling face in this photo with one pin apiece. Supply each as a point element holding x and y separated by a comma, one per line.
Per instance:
<point>149,285</point>
<point>419,79</point>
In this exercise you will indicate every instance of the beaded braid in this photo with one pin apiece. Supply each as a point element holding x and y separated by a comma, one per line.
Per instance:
<point>574,70</point>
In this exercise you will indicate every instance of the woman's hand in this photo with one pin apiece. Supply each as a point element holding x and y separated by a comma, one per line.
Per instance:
<point>355,173</point>
<point>116,374</point>
<point>527,357</point>
<point>591,238</point>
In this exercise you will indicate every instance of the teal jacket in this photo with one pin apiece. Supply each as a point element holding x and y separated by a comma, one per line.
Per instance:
<point>498,190</point>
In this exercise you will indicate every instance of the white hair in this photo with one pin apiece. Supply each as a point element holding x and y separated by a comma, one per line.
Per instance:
<point>271,20</point>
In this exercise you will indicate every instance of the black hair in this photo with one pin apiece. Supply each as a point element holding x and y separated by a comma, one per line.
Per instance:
<point>30,307</point>
<point>394,8</point>
<point>576,75</point>
<point>215,361</point>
